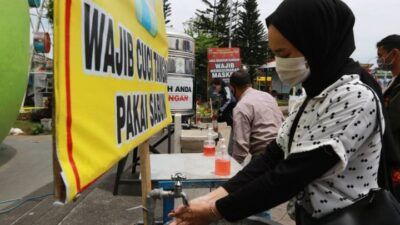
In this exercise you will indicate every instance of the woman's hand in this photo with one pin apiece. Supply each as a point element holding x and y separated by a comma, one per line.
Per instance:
<point>200,212</point>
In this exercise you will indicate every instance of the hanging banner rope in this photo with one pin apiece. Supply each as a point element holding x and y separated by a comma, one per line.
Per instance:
<point>110,84</point>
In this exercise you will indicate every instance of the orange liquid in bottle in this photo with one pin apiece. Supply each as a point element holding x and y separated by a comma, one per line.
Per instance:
<point>209,150</point>
<point>222,167</point>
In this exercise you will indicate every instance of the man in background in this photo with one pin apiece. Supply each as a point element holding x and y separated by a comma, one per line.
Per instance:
<point>222,97</point>
<point>256,118</point>
<point>389,59</point>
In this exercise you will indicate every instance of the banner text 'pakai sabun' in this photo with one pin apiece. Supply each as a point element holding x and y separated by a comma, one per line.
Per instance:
<point>137,112</point>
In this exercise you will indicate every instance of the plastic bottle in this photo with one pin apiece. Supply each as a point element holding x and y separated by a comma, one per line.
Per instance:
<point>198,118</point>
<point>198,113</point>
<point>214,121</point>
<point>215,105</point>
<point>209,144</point>
<point>222,160</point>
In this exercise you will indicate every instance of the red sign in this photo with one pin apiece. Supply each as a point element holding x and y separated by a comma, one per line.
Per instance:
<point>222,62</point>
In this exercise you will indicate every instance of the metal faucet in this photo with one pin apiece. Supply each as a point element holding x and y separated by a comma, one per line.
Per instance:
<point>160,194</point>
<point>178,193</point>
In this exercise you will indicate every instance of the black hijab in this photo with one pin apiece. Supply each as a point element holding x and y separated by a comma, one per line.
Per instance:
<point>323,31</point>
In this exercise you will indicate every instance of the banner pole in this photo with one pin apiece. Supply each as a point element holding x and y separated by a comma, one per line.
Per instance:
<point>144,152</point>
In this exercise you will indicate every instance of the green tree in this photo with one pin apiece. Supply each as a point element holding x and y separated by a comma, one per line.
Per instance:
<point>210,28</point>
<point>50,10</point>
<point>235,14</point>
<point>214,21</point>
<point>167,11</point>
<point>251,36</point>
<point>190,28</point>
<point>203,41</point>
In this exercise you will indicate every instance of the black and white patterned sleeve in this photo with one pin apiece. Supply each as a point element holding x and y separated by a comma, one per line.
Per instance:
<point>345,119</point>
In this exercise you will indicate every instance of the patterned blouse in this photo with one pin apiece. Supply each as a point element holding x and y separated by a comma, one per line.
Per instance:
<point>344,117</point>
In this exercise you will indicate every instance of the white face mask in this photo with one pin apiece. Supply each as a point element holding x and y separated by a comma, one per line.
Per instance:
<point>292,71</point>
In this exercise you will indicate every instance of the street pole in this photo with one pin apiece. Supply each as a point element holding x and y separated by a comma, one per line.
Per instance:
<point>266,70</point>
<point>230,23</point>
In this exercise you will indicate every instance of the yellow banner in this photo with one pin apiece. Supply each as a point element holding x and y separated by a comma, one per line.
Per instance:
<point>110,84</point>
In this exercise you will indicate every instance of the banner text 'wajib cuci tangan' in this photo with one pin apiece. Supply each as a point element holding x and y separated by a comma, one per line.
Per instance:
<point>110,84</point>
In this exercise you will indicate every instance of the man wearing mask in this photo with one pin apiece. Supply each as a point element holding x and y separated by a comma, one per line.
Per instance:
<point>256,118</point>
<point>222,97</point>
<point>389,59</point>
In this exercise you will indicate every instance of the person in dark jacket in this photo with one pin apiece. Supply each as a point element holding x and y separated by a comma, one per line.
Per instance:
<point>322,157</point>
<point>389,58</point>
<point>223,94</point>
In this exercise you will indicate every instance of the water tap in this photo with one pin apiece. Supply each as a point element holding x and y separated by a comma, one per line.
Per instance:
<point>178,192</point>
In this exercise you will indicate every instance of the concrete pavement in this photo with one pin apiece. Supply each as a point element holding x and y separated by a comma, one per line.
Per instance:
<point>25,165</point>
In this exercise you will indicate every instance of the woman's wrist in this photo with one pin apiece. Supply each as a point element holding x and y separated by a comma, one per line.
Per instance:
<point>217,194</point>
<point>214,211</point>
<point>204,198</point>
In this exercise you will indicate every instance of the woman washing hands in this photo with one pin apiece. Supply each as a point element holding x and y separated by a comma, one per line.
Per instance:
<point>326,154</point>
<point>201,211</point>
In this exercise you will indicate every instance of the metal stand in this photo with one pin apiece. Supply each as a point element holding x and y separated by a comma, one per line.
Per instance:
<point>161,140</point>
<point>169,134</point>
<point>120,170</point>
<point>42,86</point>
<point>136,159</point>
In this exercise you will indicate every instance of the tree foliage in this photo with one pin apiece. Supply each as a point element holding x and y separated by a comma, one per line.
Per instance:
<point>203,42</point>
<point>251,35</point>
<point>50,10</point>
<point>214,21</point>
<point>210,28</point>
